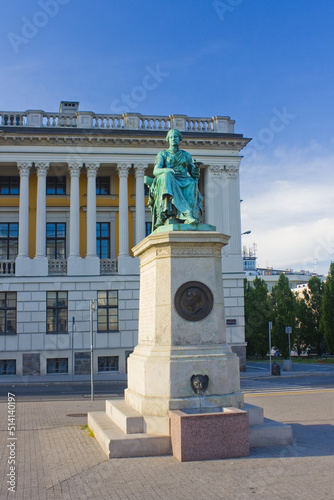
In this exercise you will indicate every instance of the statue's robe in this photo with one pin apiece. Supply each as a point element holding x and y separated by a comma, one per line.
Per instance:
<point>184,201</point>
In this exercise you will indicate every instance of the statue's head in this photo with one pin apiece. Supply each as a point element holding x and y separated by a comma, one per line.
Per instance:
<point>172,134</point>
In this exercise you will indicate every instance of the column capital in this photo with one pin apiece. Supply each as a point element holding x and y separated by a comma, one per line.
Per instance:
<point>232,171</point>
<point>24,168</point>
<point>42,168</point>
<point>140,169</point>
<point>123,169</point>
<point>74,168</point>
<point>216,169</point>
<point>92,169</point>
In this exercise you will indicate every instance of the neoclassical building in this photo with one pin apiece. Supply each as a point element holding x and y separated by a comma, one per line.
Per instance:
<point>72,205</point>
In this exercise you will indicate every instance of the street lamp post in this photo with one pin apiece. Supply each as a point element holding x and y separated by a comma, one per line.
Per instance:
<point>288,330</point>
<point>91,315</point>
<point>270,328</point>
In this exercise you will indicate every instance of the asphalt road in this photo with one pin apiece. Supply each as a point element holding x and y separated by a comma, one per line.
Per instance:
<point>256,380</point>
<point>66,391</point>
<point>263,366</point>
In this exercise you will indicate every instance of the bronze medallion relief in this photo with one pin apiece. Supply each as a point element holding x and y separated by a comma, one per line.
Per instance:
<point>193,301</point>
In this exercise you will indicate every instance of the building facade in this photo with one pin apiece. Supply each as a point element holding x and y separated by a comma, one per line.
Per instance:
<point>72,205</point>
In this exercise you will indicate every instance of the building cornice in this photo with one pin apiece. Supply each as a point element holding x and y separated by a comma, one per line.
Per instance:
<point>19,136</point>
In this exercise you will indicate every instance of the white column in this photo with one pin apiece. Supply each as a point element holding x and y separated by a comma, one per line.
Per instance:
<point>235,254</point>
<point>42,171</point>
<point>140,202</point>
<point>24,170</point>
<point>92,169</point>
<point>123,172</point>
<point>92,266</point>
<point>126,264</point>
<point>40,261</point>
<point>213,196</point>
<point>74,259</point>
<point>22,267</point>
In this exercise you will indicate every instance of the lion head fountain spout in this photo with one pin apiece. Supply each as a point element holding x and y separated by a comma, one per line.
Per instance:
<point>199,384</point>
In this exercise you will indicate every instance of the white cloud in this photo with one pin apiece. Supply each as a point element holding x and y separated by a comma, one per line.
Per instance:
<point>289,207</point>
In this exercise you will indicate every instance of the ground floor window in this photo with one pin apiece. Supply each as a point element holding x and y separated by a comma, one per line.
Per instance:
<point>57,365</point>
<point>7,312</point>
<point>56,312</point>
<point>107,364</point>
<point>7,366</point>
<point>107,311</point>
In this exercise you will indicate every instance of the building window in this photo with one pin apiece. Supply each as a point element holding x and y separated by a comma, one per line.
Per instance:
<point>56,185</point>
<point>107,311</point>
<point>146,190</point>
<point>7,366</point>
<point>102,185</point>
<point>56,312</point>
<point>7,312</point>
<point>148,228</point>
<point>108,364</point>
<point>56,240</point>
<point>103,240</point>
<point>57,365</point>
<point>9,235</point>
<point>10,184</point>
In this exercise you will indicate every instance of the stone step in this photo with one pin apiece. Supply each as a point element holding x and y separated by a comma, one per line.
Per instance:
<point>255,414</point>
<point>116,444</point>
<point>270,433</point>
<point>125,417</point>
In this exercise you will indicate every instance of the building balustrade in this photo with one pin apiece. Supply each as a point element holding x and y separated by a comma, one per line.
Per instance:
<point>129,121</point>
<point>7,267</point>
<point>108,266</point>
<point>57,266</point>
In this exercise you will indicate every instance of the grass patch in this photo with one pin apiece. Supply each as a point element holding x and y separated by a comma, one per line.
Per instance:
<point>87,430</point>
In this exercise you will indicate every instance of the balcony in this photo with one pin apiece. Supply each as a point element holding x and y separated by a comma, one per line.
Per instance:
<point>7,268</point>
<point>108,266</point>
<point>58,267</point>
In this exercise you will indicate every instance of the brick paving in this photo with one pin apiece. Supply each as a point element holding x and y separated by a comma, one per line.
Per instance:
<point>57,459</point>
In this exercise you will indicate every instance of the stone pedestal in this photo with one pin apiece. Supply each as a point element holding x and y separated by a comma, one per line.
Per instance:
<point>181,326</point>
<point>181,335</point>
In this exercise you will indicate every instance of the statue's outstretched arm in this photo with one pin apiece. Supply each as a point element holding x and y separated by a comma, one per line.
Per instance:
<point>194,169</point>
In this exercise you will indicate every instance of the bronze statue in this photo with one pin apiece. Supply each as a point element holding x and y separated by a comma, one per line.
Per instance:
<point>174,195</point>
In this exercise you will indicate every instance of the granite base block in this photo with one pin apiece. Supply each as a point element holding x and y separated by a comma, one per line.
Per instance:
<point>209,436</point>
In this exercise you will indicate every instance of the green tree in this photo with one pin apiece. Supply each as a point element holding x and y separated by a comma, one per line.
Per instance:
<point>327,309</point>
<point>284,310</point>
<point>308,313</point>
<point>257,316</point>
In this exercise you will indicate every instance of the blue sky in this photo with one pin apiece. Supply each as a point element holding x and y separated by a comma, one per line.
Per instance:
<point>266,63</point>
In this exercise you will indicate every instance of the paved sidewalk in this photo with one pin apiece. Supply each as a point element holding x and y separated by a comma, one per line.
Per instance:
<point>57,459</point>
